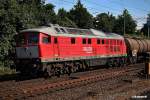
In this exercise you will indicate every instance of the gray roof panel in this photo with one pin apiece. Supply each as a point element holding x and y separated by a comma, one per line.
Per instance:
<point>73,32</point>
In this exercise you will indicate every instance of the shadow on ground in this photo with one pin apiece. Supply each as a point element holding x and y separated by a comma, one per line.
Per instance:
<point>16,77</point>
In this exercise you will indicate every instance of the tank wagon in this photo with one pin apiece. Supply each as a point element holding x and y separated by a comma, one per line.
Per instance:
<point>137,49</point>
<point>54,50</point>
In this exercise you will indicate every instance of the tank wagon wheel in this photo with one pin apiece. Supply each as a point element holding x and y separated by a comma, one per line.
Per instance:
<point>131,60</point>
<point>134,60</point>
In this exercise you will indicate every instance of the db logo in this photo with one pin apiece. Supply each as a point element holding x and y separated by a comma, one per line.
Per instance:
<point>88,49</point>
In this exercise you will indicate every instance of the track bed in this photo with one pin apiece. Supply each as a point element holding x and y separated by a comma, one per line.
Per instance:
<point>83,85</point>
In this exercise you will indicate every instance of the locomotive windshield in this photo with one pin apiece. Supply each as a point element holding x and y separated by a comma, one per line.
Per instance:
<point>32,38</point>
<point>27,39</point>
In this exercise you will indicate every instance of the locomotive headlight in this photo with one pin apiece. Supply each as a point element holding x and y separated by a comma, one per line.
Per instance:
<point>34,65</point>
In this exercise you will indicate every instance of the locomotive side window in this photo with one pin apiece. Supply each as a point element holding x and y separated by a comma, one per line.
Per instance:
<point>89,41</point>
<point>83,41</point>
<point>73,41</point>
<point>55,40</point>
<point>98,41</point>
<point>102,41</point>
<point>32,38</point>
<point>46,40</point>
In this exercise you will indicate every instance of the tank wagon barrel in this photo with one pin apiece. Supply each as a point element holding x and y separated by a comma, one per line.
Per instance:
<point>137,45</point>
<point>137,49</point>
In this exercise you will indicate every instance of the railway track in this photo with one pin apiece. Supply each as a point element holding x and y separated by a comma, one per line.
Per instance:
<point>33,89</point>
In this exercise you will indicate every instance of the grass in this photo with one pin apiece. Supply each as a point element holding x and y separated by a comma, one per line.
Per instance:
<point>6,71</point>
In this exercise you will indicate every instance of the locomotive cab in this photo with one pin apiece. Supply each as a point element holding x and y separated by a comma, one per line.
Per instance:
<point>27,45</point>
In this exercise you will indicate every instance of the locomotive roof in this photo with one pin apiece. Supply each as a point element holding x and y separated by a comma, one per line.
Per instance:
<point>73,32</point>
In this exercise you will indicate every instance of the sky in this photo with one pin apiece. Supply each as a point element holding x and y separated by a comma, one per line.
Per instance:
<point>137,8</point>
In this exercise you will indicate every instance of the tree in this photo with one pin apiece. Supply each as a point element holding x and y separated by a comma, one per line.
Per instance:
<point>48,14</point>
<point>16,15</point>
<point>81,16</point>
<point>8,15</point>
<point>104,22</point>
<point>63,19</point>
<point>130,24</point>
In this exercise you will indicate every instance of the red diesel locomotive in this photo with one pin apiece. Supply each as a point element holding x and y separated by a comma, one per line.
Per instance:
<point>55,50</point>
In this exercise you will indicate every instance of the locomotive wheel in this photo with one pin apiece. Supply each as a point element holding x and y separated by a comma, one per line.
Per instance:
<point>79,66</point>
<point>57,71</point>
<point>110,63</point>
<point>83,66</point>
<point>68,69</point>
<point>48,71</point>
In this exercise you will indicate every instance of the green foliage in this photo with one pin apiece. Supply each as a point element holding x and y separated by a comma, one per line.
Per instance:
<point>81,16</point>
<point>130,24</point>
<point>8,14</point>
<point>47,14</point>
<point>104,22</point>
<point>16,15</point>
<point>6,71</point>
<point>63,19</point>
